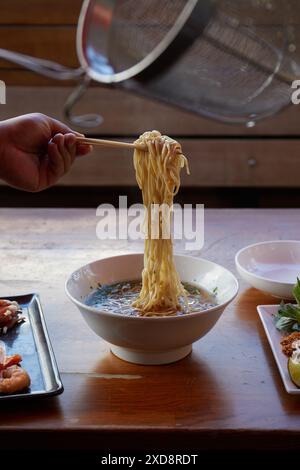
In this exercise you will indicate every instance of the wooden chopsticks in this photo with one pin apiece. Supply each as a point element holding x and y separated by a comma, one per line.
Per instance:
<point>108,143</point>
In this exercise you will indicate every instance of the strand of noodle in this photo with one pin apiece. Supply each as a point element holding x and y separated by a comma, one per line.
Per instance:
<point>158,176</point>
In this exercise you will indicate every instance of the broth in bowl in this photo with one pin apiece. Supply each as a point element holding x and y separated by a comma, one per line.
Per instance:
<point>119,298</point>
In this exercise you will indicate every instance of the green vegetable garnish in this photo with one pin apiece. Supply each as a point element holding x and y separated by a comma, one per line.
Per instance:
<point>288,315</point>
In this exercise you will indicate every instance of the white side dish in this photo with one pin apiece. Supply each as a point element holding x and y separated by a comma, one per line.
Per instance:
<point>272,267</point>
<point>266,314</point>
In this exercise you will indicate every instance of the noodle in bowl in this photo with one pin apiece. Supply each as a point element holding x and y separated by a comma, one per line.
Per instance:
<point>152,307</point>
<point>143,339</point>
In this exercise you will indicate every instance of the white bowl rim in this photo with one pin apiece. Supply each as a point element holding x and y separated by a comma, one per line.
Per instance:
<point>163,318</point>
<point>257,276</point>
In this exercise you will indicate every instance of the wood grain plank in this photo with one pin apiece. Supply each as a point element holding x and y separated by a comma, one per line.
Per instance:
<point>40,12</point>
<point>213,163</point>
<point>56,43</point>
<point>67,11</point>
<point>126,114</point>
<point>227,393</point>
<point>14,76</point>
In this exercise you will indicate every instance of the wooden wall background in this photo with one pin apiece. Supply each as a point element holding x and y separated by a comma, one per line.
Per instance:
<point>267,156</point>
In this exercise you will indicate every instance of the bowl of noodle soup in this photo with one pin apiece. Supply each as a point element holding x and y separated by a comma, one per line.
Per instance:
<point>149,339</point>
<point>152,307</point>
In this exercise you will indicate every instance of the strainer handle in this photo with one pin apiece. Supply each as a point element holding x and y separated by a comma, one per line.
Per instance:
<point>43,67</point>
<point>56,71</point>
<point>85,120</point>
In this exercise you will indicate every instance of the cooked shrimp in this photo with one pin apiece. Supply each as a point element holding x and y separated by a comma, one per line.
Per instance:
<point>10,312</point>
<point>12,377</point>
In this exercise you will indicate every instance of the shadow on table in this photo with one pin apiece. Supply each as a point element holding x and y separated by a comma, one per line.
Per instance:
<point>179,394</point>
<point>245,307</point>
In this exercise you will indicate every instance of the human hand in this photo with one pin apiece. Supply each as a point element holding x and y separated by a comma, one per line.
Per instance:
<point>36,151</point>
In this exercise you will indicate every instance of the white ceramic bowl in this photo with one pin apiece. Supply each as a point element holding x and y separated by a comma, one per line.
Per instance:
<point>148,340</point>
<point>272,266</point>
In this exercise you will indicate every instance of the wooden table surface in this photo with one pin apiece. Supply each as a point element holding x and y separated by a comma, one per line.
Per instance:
<point>227,393</point>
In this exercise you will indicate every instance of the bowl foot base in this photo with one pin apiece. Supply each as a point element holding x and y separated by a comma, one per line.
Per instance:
<point>151,357</point>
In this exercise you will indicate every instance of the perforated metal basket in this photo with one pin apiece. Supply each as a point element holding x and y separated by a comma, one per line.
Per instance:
<point>233,60</point>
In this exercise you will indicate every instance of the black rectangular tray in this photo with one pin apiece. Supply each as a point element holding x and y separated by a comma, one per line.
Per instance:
<point>30,339</point>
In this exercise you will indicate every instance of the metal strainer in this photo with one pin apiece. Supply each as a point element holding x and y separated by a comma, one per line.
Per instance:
<point>232,60</point>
